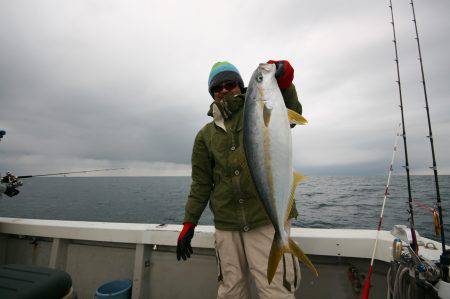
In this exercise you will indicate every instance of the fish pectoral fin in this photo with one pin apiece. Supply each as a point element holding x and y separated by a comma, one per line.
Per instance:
<point>295,250</point>
<point>274,259</point>
<point>297,179</point>
<point>267,112</point>
<point>295,118</point>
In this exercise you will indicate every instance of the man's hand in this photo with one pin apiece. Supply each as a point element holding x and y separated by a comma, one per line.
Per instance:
<point>284,73</point>
<point>184,249</point>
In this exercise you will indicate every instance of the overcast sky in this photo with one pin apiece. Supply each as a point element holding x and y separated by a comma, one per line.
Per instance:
<point>99,84</point>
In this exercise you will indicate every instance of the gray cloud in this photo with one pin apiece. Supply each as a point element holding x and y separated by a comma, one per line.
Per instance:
<point>89,84</point>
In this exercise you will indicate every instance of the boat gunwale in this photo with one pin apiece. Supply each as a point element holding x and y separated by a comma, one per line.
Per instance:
<point>314,241</point>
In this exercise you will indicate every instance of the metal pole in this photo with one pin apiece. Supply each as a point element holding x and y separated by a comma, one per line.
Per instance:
<point>430,135</point>
<point>411,211</point>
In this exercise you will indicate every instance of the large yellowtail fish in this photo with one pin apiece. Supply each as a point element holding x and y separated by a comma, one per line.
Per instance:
<point>268,149</point>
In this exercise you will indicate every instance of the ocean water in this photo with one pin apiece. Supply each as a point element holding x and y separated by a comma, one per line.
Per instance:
<point>322,201</point>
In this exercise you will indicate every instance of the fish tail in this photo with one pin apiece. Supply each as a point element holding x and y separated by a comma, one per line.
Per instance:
<point>295,249</point>
<point>276,253</point>
<point>274,258</point>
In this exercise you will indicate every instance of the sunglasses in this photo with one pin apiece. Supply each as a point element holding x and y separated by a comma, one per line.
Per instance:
<point>227,85</point>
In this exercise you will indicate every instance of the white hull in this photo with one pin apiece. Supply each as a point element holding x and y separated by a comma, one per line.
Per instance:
<point>97,252</point>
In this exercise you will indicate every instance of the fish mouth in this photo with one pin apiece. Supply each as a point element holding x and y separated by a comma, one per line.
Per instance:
<point>267,67</point>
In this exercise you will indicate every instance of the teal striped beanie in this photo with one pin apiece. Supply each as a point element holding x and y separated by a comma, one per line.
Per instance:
<point>223,71</point>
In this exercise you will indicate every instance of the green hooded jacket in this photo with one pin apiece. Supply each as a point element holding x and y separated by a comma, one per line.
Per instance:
<point>220,173</point>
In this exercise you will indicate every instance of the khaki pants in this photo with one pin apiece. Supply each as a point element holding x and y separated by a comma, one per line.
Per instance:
<point>239,253</point>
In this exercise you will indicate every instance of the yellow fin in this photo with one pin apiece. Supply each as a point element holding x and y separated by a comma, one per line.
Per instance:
<point>301,255</point>
<point>276,253</point>
<point>274,259</point>
<point>295,118</point>
<point>297,179</point>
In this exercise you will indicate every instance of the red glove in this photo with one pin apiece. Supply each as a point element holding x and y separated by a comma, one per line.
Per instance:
<point>284,73</point>
<point>184,249</point>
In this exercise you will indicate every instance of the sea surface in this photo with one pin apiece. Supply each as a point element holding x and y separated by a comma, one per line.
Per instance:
<point>322,201</point>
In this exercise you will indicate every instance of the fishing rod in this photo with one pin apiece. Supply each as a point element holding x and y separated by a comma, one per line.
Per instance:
<point>445,257</point>
<point>366,288</point>
<point>411,211</point>
<point>13,181</point>
<point>61,173</point>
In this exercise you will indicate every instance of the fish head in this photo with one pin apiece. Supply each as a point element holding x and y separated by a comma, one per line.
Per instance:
<point>265,73</point>
<point>263,78</point>
<point>268,68</point>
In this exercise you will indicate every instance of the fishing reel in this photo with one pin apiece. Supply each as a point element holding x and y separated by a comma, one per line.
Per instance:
<point>412,275</point>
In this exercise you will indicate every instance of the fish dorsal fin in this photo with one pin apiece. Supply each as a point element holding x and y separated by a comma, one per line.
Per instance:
<point>267,112</point>
<point>297,179</point>
<point>295,118</point>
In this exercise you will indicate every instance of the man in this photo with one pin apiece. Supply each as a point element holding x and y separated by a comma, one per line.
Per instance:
<point>7,185</point>
<point>220,176</point>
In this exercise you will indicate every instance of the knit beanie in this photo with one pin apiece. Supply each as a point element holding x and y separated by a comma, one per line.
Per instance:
<point>223,71</point>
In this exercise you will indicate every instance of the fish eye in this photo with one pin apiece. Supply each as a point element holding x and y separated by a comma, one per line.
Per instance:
<point>259,78</point>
